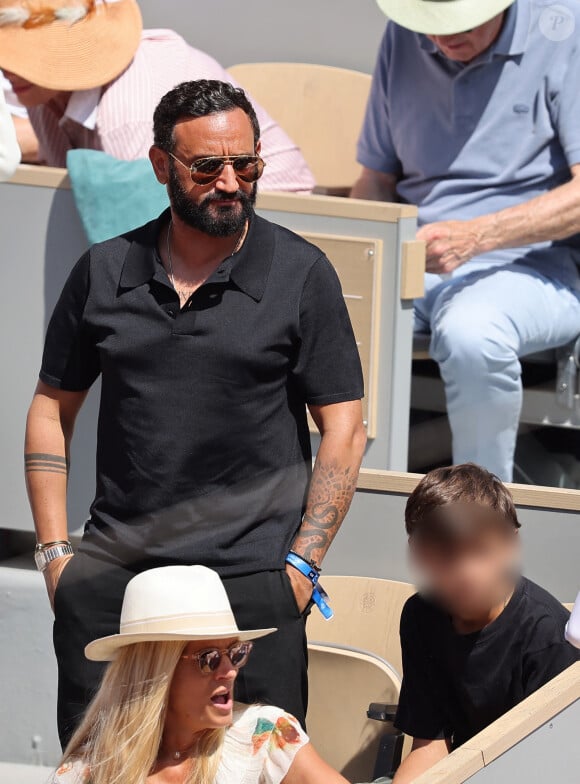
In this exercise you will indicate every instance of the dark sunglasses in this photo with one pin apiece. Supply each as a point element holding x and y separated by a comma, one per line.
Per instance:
<point>208,661</point>
<point>204,171</point>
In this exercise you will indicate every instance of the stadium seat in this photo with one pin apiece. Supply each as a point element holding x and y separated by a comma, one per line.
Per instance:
<point>355,674</point>
<point>320,107</point>
<point>348,690</point>
<point>367,611</point>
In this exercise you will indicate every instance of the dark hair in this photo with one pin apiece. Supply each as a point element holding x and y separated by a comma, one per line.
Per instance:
<point>451,504</point>
<point>198,98</point>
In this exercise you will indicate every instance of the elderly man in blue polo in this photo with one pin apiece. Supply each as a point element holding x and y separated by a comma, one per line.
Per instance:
<point>474,115</point>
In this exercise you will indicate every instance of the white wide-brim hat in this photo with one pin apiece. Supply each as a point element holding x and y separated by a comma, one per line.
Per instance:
<point>442,17</point>
<point>173,603</point>
<point>68,45</point>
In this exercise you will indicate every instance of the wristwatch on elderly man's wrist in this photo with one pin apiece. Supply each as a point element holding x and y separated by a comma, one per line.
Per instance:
<point>45,553</point>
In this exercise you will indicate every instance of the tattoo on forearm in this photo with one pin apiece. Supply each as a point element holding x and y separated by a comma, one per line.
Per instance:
<point>331,491</point>
<point>41,461</point>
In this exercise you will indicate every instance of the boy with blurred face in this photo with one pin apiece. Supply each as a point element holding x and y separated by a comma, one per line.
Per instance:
<point>478,638</point>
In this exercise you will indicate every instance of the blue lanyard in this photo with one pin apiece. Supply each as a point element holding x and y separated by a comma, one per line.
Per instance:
<point>319,595</point>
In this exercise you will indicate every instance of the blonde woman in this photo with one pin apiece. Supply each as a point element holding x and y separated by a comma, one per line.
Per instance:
<point>165,710</point>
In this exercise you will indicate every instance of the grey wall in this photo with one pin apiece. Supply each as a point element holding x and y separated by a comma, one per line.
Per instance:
<point>551,753</point>
<point>28,680</point>
<point>34,266</point>
<point>343,33</point>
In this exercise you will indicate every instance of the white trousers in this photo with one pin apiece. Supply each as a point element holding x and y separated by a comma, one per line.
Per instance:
<point>482,319</point>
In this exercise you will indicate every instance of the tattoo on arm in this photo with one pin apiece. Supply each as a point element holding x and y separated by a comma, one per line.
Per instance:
<point>41,461</point>
<point>331,490</point>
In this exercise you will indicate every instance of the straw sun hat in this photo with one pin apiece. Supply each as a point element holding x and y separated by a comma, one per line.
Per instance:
<point>442,17</point>
<point>173,603</point>
<point>68,44</point>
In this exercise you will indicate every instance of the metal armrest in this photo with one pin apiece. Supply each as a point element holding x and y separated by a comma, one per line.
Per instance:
<point>390,748</point>
<point>567,384</point>
<point>380,711</point>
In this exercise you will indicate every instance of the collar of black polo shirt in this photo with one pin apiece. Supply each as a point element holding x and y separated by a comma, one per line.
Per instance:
<point>249,270</point>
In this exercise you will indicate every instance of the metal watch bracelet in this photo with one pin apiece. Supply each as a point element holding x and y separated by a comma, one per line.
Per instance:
<point>43,555</point>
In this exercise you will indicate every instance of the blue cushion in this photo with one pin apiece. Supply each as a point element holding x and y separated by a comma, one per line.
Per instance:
<point>113,196</point>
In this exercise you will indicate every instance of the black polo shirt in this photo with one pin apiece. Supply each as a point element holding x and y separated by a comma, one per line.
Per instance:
<point>203,452</point>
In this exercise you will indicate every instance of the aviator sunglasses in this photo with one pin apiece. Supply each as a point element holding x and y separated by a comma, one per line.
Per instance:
<point>204,171</point>
<point>208,661</point>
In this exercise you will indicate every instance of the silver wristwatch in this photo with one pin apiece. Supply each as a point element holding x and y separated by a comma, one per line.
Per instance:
<point>45,553</point>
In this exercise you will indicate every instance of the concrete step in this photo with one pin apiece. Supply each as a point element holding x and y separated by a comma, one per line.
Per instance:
<point>14,773</point>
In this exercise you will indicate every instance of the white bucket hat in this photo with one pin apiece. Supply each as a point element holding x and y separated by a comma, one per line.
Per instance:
<point>172,603</point>
<point>442,17</point>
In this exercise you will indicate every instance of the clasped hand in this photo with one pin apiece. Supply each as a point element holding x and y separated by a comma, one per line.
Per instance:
<point>450,244</point>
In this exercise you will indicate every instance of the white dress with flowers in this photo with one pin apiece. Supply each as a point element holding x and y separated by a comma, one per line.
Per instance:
<point>259,748</point>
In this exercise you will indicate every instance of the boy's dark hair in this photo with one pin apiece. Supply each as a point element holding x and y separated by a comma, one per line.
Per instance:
<point>198,98</point>
<point>451,504</point>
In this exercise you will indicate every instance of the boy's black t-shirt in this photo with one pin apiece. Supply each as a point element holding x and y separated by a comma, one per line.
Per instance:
<point>454,685</point>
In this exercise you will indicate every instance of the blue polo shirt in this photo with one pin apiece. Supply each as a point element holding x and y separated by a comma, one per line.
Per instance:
<point>471,139</point>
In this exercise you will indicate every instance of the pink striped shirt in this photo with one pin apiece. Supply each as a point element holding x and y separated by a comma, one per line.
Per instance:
<point>118,118</point>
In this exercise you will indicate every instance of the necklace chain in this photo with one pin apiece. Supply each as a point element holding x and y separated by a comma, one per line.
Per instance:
<point>178,754</point>
<point>241,237</point>
<point>169,259</point>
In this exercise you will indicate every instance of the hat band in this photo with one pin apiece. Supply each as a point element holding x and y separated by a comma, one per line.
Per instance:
<point>19,16</point>
<point>197,623</point>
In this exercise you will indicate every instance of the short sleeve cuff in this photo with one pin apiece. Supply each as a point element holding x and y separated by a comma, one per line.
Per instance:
<point>64,384</point>
<point>573,155</point>
<point>381,163</point>
<point>424,733</point>
<point>339,397</point>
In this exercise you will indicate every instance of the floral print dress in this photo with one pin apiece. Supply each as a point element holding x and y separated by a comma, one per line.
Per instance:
<point>259,748</point>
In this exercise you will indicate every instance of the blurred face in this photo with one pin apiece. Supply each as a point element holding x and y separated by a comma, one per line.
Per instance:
<point>30,94</point>
<point>200,701</point>
<point>472,578</point>
<point>221,208</point>
<point>464,47</point>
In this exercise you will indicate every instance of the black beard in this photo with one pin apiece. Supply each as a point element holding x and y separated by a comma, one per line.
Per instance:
<point>229,220</point>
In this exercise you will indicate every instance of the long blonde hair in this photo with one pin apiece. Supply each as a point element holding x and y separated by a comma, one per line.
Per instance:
<point>120,735</point>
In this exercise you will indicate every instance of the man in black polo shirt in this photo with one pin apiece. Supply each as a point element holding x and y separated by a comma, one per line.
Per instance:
<point>212,330</point>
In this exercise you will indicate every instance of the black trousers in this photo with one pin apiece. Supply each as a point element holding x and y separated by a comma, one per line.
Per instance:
<point>88,605</point>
